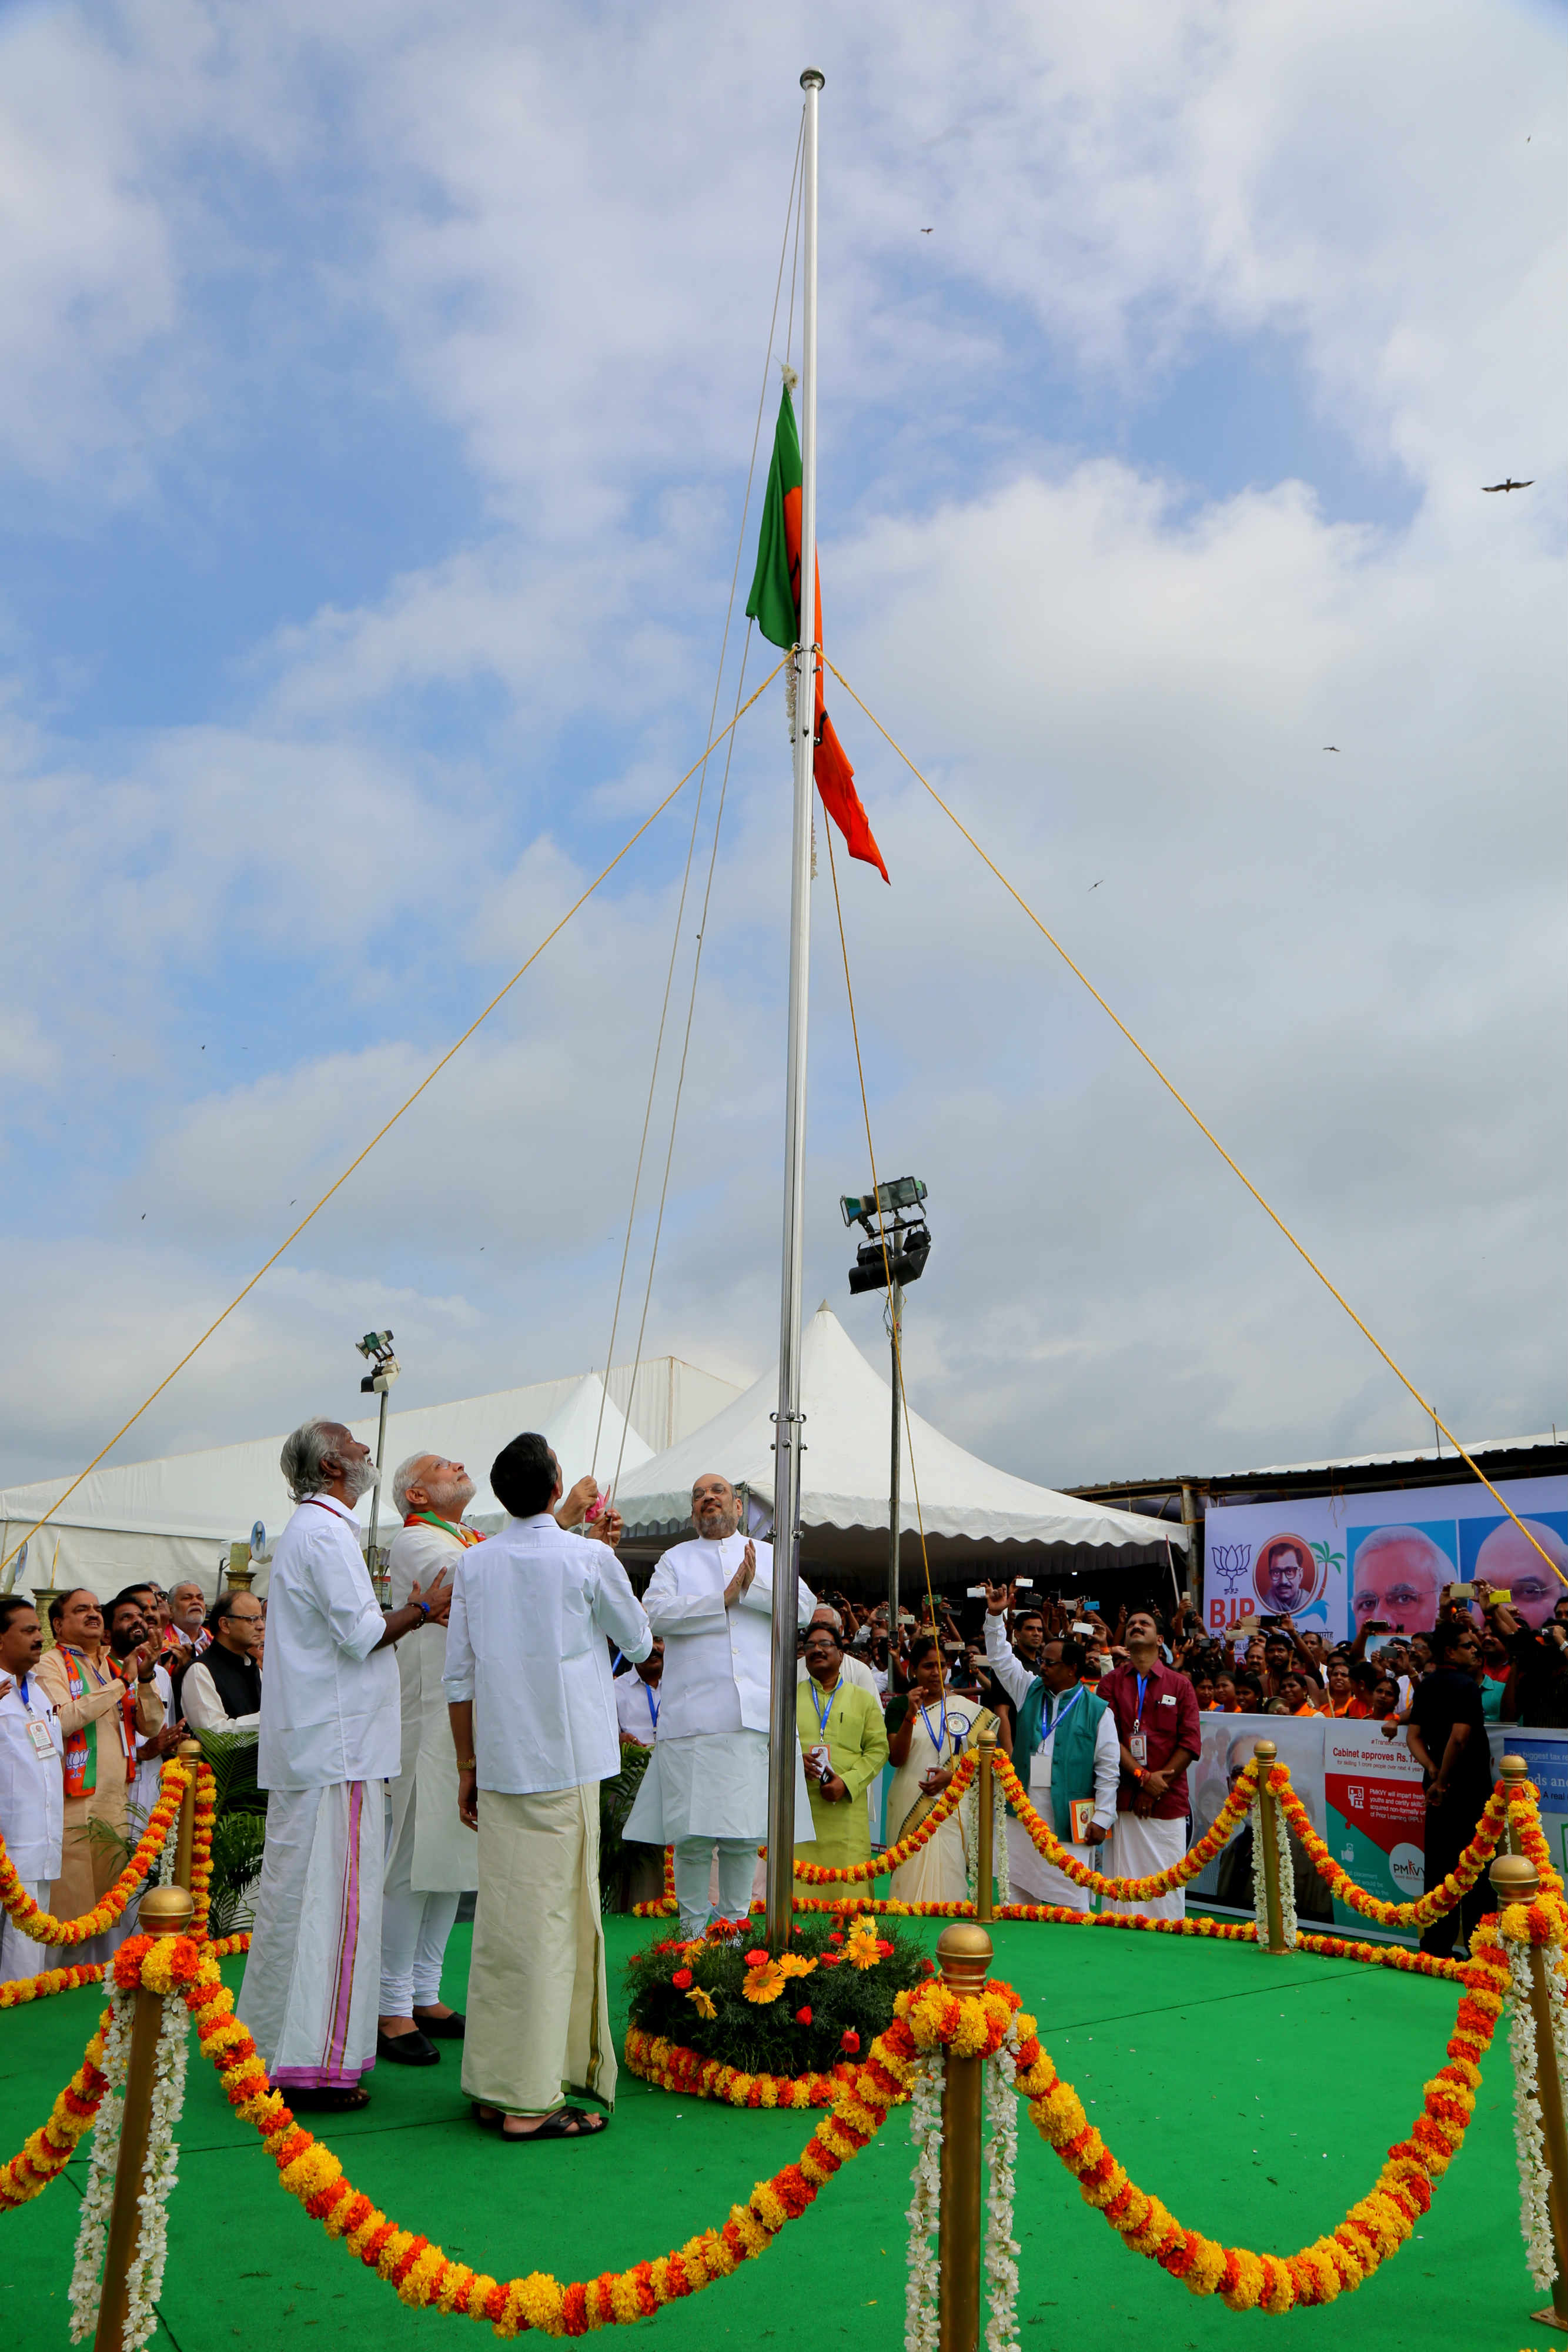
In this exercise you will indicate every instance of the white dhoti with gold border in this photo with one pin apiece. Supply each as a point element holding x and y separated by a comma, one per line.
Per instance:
<point>1136,1848</point>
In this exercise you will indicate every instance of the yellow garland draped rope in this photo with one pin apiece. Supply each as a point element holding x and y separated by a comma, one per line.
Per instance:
<point>1432,1905</point>
<point>816,1874</point>
<point>1375,2227</point>
<point>45,2153</point>
<point>45,1929</point>
<point>1045,1840</point>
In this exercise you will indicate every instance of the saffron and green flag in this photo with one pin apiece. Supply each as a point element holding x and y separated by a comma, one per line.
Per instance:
<point>774,604</point>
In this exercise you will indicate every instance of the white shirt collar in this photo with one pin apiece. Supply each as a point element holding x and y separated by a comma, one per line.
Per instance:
<point>330,1502</point>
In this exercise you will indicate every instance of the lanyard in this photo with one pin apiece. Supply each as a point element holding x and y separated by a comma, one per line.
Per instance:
<point>938,1740</point>
<point>823,1713</point>
<point>22,1686</point>
<point>652,1702</point>
<point>1060,1717</point>
<point>1143,1687</point>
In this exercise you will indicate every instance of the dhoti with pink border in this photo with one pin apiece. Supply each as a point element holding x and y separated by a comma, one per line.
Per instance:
<point>312,1980</point>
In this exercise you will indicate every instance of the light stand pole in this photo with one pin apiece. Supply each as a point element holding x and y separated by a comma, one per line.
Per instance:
<point>892,1256</point>
<point>895,1326</point>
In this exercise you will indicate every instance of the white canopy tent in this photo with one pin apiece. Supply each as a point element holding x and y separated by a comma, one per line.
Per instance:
<point>967,1507</point>
<point>176,1517</point>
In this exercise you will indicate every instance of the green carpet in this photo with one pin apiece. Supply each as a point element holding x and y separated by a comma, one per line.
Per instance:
<point>1256,2097</point>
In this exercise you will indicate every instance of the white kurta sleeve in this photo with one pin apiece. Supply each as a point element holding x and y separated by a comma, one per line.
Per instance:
<point>457,1674</point>
<point>670,1613</point>
<point>759,1596</point>
<point>617,1611</point>
<point>342,1592</point>
<point>1005,1663</point>
<point>204,1709</point>
<point>1107,1770</point>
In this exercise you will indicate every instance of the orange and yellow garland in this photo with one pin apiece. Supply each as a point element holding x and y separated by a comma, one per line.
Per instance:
<point>201,1850</point>
<point>45,1929</point>
<point>674,2067</point>
<point>816,1874</point>
<point>1044,1840</point>
<point>45,2153</point>
<point>1430,1906</point>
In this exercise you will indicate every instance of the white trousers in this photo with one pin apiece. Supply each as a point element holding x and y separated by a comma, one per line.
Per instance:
<point>313,1972</point>
<point>1137,1848</point>
<point>414,1929</point>
<point>20,1956</point>
<point>694,1859</point>
<point>1035,1880</point>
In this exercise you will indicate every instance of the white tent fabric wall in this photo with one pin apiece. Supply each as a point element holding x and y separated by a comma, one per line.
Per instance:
<point>849,1408</point>
<point>667,1400</point>
<point>176,1517</point>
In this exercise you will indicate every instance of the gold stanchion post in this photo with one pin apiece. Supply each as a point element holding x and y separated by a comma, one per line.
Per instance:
<point>1266,1754</point>
<point>165,1911</point>
<point>986,1816</point>
<point>189,1752</point>
<point>1515,1772</point>
<point>964,1960</point>
<point>1515,1880</point>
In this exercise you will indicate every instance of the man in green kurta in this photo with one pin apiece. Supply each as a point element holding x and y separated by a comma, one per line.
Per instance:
<point>845,1743</point>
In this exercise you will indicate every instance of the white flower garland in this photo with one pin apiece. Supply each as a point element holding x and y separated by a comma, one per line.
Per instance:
<point>999,2254</point>
<point>145,2281</point>
<point>1534,2215</point>
<point>920,2318</point>
<point>1261,1878</point>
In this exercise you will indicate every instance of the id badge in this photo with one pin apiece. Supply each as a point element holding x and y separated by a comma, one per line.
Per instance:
<point>1138,1746</point>
<point>38,1733</point>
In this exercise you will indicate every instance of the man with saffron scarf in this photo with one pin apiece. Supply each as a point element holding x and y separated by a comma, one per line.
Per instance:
<point>330,1735</point>
<point>104,1715</point>
<point>1064,1752</point>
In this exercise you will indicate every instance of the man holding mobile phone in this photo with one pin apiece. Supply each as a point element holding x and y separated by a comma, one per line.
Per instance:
<point>1064,1752</point>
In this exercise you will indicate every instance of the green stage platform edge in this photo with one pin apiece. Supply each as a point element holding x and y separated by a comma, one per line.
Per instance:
<point>1256,2097</point>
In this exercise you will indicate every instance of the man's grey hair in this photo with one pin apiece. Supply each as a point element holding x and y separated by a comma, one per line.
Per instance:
<point>403,1478</point>
<point>1387,1538</point>
<point>305,1450</point>
<point>824,1615</point>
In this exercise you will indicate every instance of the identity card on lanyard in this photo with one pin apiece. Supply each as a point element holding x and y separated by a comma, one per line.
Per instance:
<point>1138,1745</point>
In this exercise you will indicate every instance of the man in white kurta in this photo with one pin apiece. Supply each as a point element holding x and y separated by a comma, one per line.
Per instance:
<point>705,1790</point>
<point>533,1724</point>
<point>330,1736</point>
<point>431,1858</point>
<point>32,1789</point>
<point>1059,1668</point>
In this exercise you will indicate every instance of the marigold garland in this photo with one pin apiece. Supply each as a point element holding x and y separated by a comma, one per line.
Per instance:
<point>45,2153</point>
<point>1044,1840</point>
<point>672,2067</point>
<point>205,1814</point>
<point>663,1906</point>
<point>18,1989</point>
<point>1432,1905</point>
<point>1373,2229</point>
<point>816,1873</point>
<point>45,1929</point>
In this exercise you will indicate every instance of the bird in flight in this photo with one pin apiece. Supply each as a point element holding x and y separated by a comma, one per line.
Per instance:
<point>1094,886</point>
<point>1330,747</point>
<point>1489,487</point>
<point>925,232</point>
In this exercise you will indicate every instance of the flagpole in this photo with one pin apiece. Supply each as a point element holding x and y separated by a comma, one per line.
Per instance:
<point>788,1422</point>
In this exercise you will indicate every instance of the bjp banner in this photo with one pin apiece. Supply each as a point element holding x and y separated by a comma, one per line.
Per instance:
<point>1377,1812</point>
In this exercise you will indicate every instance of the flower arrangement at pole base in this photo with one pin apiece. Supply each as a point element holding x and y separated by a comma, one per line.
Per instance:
<point>723,2017</point>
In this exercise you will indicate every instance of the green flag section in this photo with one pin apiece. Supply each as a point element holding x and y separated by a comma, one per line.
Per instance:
<point>774,604</point>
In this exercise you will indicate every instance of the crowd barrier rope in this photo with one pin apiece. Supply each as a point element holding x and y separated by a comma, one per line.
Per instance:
<point>1046,1843</point>
<point>1428,1908</point>
<point>45,1929</point>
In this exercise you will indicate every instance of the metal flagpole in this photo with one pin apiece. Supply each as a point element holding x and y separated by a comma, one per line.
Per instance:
<point>895,1310</point>
<point>788,1421</point>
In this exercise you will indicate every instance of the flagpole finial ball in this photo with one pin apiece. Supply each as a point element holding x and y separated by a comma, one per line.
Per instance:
<point>813,78</point>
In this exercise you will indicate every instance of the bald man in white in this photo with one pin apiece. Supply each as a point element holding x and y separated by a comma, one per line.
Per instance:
<point>705,1788</point>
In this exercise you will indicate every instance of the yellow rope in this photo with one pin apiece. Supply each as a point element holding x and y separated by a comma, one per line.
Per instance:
<point>428,1076</point>
<point>1171,1087</point>
<point>886,1267</point>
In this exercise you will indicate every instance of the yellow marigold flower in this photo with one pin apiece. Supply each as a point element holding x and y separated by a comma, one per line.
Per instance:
<point>1244,2294</point>
<point>392,2253</point>
<point>457,2278</point>
<point>701,2001</point>
<point>623,2298</point>
<point>1208,2268</point>
<point>768,2206</point>
<point>1282,2294</point>
<point>538,2299</point>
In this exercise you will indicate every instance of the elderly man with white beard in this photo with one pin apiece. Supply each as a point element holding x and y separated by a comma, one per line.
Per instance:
<point>705,1789</point>
<point>331,1732</point>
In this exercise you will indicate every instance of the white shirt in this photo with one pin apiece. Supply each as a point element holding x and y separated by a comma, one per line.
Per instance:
<point>32,1786</point>
<point>204,1709</point>
<point>446,1855</point>
<point>718,1662</point>
<point>149,1774</point>
<point>1018,1681</point>
<point>637,1717</point>
<point>330,1709</point>
<point>532,1609</point>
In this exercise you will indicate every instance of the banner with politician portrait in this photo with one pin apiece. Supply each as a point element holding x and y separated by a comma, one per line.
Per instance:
<point>1338,1562</point>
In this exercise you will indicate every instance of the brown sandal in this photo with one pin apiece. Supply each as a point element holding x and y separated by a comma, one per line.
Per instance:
<point>561,2123</point>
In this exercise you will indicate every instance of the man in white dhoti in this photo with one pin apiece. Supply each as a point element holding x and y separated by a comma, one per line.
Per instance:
<point>705,1790</point>
<point>1064,1751</point>
<point>430,1857</point>
<point>330,1735</point>
<point>1159,1732</point>
<point>32,1789</point>
<point>533,1724</point>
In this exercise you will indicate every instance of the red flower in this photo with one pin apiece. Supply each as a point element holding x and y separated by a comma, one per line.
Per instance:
<point>803,2017</point>
<point>836,1936</point>
<point>682,1978</point>
<point>756,1959</point>
<point>849,2040</point>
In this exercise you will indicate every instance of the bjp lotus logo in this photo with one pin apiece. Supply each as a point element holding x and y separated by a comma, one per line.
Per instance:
<point>1231,1563</point>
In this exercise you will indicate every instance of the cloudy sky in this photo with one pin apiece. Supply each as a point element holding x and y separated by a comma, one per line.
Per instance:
<point>377,392</point>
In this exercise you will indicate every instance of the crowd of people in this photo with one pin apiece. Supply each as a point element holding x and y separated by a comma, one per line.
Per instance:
<point>450,1736</point>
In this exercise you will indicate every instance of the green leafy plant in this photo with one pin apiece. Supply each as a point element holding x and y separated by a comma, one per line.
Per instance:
<point>769,2037</point>
<point>239,1827</point>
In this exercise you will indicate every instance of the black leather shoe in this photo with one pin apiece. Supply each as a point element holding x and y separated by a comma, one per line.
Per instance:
<point>407,2049</point>
<point>441,2029</point>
